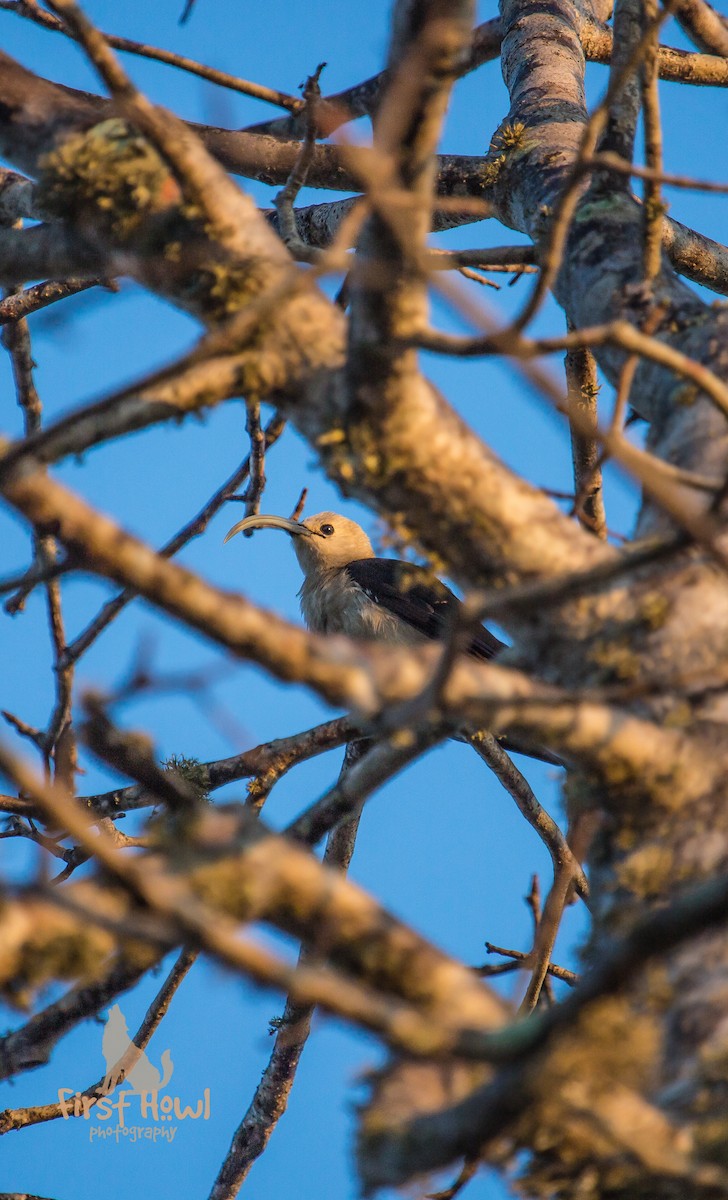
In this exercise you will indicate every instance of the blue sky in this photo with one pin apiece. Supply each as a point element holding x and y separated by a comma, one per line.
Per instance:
<point>442,846</point>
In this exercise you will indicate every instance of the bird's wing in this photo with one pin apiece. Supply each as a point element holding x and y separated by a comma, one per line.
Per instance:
<point>410,593</point>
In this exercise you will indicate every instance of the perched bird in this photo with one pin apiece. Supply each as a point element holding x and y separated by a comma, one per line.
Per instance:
<point>346,589</point>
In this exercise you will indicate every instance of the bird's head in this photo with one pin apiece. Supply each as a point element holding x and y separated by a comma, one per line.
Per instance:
<point>323,542</point>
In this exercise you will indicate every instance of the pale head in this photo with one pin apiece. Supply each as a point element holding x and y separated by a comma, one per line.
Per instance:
<point>323,542</point>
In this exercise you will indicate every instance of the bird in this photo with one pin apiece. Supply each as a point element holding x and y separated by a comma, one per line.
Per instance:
<point>347,589</point>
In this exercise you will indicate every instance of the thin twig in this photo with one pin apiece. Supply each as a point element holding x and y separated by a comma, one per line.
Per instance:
<point>24,583</point>
<point>468,1171</point>
<point>492,753</point>
<point>33,299</point>
<point>284,199</point>
<point>617,333</point>
<point>59,743</point>
<point>300,505</point>
<point>518,957</point>
<point>34,735</point>
<point>533,903</point>
<point>258,91</point>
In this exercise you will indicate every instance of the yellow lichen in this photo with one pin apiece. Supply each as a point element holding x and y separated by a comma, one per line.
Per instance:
<point>333,437</point>
<point>508,136</point>
<point>228,288</point>
<point>686,395</point>
<point>655,209</point>
<point>653,609</point>
<point>680,716</point>
<point>491,169</point>
<point>617,660</point>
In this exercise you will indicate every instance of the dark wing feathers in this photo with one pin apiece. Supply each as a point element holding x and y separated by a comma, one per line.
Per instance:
<point>412,594</point>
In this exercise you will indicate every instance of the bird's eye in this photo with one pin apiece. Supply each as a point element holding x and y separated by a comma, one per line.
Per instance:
<point>327,530</point>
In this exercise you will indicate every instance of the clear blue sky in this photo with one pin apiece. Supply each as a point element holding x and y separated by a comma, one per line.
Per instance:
<point>442,846</point>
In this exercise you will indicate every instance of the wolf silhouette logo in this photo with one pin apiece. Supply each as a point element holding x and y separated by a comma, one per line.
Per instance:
<point>125,1061</point>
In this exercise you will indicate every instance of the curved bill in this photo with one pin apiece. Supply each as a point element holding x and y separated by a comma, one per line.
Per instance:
<point>268,522</point>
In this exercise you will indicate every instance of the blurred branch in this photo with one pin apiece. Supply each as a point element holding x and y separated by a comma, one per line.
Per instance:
<point>32,1045</point>
<point>705,27</point>
<point>421,996</point>
<point>23,1117</point>
<point>271,1096</point>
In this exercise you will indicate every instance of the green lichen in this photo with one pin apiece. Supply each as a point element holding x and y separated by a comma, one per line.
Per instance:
<point>110,172</point>
<point>226,888</point>
<point>599,205</point>
<point>192,771</point>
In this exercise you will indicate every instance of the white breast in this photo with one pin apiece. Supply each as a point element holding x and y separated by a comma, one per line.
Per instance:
<point>332,603</point>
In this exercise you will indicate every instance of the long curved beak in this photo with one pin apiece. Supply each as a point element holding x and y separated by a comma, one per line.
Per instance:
<point>269,522</point>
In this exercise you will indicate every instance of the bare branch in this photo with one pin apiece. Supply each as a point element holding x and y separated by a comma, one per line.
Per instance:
<point>21,304</point>
<point>157,54</point>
